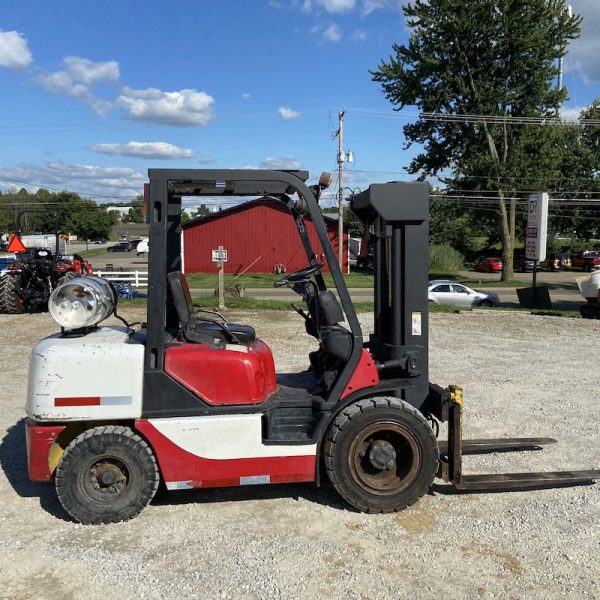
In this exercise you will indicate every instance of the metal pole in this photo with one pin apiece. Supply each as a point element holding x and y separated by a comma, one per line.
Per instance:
<point>341,191</point>
<point>569,12</point>
<point>533,285</point>
<point>221,279</point>
<point>57,235</point>
<point>560,73</point>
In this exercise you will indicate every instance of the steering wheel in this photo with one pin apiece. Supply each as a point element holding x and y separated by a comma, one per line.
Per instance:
<point>300,275</point>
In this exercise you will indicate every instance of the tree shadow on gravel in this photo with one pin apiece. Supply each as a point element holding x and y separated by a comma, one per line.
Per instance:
<point>13,461</point>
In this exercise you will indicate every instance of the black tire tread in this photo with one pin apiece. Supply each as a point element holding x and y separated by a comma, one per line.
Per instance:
<point>114,434</point>
<point>9,295</point>
<point>336,431</point>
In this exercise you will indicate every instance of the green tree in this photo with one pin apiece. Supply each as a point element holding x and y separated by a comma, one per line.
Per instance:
<point>201,211</point>
<point>590,134</point>
<point>136,212</point>
<point>356,227</point>
<point>449,224</point>
<point>470,66</point>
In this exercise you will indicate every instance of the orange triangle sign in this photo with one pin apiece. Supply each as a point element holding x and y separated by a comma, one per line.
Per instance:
<point>15,244</point>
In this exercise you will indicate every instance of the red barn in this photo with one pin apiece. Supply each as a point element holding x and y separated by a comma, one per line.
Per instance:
<point>258,235</point>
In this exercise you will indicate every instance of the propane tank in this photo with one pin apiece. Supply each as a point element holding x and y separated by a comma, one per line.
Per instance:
<point>82,302</point>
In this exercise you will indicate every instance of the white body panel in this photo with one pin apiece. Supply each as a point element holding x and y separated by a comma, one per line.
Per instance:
<point>225,437</point>
<point>95,376</point>
<point>590,285</point>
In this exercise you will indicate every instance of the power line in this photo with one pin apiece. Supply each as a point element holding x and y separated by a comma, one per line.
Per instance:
<point>501,119</point>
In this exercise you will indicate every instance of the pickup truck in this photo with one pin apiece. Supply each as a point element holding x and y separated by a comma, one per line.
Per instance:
<point>585,260</point>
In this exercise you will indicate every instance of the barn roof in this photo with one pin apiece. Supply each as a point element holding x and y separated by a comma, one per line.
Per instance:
<point>264,201</point>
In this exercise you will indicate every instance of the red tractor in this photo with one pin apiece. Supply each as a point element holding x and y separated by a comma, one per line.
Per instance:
<point>193,400</point>
<point>27,283</point>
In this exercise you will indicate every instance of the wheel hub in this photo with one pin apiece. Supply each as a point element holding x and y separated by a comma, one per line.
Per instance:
<point>107,478</point>
<point>382,455</point>
<point>384,458</point>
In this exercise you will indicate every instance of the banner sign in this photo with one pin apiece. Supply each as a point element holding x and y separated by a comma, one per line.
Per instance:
<point>537,227</point>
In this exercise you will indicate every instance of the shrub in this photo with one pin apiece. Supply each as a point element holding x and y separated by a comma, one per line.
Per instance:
<point>445,259</point>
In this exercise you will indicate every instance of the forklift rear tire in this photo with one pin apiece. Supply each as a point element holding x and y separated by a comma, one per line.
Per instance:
<point>107,474</point>
<point>381,455</point>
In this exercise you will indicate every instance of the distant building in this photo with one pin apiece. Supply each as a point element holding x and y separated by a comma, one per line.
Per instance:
<point>260,236</point>
<point>122,210</point>
<point>44,240</point>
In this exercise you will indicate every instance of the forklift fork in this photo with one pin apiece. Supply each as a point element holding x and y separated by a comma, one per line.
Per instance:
<point>451,453</point>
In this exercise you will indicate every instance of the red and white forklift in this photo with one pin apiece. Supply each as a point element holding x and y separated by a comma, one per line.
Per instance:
<point>192,400</point>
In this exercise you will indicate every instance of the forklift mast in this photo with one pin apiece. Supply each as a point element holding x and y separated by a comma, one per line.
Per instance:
<point>162,395</point>
<point>396,216</point>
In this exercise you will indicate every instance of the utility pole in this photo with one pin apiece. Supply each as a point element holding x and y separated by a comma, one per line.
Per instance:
<point>340,160</point>
<point>569,11</point>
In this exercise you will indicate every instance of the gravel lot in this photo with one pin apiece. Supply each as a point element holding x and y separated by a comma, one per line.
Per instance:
<point>522,376</point>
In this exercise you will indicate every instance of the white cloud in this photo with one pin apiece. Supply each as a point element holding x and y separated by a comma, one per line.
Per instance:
<point>583,53</point>
<point>88,72</point>
<point>330,6</point>
<point>572,113</point>
<point>285,112</point>
<point>14,53</point>
<point>370,6</point>
<point>207,160</point>
<point>186,107</point>
<point>359,35</point>
<point>77,79</point>
<point>337,6</point>
<point>159,150</point>
<point>246,96</point>
<point>333,33</point>
<point>280,162</point>
<point>101,183</point>
<point>341,6</point>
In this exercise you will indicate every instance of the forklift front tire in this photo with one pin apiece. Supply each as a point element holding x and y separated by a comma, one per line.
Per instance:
<point>106,475</point>
<point>381,455</point>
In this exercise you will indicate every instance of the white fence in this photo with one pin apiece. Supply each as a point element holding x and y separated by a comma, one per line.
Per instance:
<point>136,278</point>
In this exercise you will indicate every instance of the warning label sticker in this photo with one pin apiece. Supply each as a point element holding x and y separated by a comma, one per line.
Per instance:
<point>416,323</point>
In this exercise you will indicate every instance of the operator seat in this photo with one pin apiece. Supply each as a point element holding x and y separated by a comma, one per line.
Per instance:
<point>335,339</point>
<point>204,331</point>
<point>42,261</point>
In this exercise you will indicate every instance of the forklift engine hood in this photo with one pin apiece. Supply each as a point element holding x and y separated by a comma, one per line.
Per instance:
<point>88,377</point>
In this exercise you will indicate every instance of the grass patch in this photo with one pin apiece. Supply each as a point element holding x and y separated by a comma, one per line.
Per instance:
<point>260,304</point>
<point>446,308</point>
<point>359,307</point>
<point>92,252</point>
<point>570,314</point>
<point>209,281</point>
<point>132,302</point>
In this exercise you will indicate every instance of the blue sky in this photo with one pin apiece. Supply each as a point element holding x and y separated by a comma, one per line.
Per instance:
<point>95,93</point>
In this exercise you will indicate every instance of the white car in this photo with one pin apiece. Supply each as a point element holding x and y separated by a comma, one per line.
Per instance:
<point>447,291</point>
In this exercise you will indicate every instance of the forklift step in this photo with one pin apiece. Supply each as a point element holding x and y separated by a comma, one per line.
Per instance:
<point>490,445</point>
<point>521,481</point>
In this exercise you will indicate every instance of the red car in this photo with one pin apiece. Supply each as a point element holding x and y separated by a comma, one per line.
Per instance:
<point>489,265</point>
